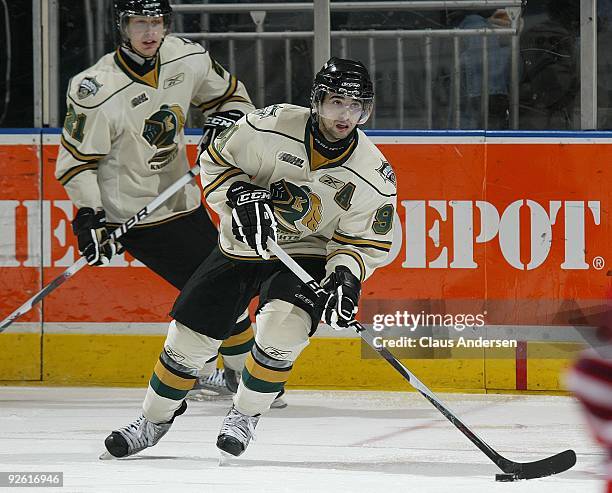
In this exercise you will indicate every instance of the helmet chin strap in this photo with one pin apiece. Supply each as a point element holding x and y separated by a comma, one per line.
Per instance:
<point>325,147</point>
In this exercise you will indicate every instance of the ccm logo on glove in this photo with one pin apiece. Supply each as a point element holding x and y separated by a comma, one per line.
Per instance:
<point>253,219</point>
<point>215,124</point>
<point>258,195</point>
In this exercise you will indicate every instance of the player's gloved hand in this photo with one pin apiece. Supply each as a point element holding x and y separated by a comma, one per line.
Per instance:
<point>343,290</point>
<point>89,226</point>
<point>215,124</point>
<point>253,219</point>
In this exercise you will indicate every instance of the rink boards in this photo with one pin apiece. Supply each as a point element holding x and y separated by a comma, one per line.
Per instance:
<point>511,227</point>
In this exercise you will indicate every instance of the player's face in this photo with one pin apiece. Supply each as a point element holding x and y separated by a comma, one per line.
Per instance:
<point>338,116</point>
<point>146,34</point>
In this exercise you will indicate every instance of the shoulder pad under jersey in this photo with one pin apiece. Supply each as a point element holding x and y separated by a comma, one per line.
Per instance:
<point>174,48</point>
<point>373,167</point>
<point>287,119</point>
<point>97,84</point>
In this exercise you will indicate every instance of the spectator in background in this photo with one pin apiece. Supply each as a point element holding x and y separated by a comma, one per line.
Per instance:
<point>472,72</point>
<point>385,71</point>
<point>549,79</point>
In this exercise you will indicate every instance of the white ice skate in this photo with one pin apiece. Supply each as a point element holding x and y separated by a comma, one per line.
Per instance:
<point>137,436</point>
<point>236,432</point>
<point>213,387</point>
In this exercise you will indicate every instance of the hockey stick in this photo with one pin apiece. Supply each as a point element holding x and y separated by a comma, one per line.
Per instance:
<point>114,236</point>
<point>515,470</point>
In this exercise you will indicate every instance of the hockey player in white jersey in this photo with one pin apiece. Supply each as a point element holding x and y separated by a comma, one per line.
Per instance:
<point>123,143</point>
<point>315,182</point>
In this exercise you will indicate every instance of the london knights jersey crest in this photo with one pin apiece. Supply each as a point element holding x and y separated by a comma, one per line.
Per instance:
<point>160,131</point>
<point>296,208</point>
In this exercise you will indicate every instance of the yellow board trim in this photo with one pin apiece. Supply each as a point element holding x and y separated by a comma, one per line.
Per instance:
<point>21,357</point>
<point>548,362</point>
<point>327,363</point>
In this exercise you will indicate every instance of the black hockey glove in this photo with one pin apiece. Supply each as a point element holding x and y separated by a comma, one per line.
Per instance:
<point>215,124</point>
<point>343,290</point>
<point>89,227</point>
<point>253,219</point>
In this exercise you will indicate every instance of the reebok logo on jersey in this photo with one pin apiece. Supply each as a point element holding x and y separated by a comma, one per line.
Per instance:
<point>386,171</point>
<point>174,80</point>
<point>276,353</point>
<point>290,158</point>
<point>173,354</point>
<point>139,100</point>
<point>330,181</point>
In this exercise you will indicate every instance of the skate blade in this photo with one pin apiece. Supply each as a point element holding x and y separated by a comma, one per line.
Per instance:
<point>278,404</point>
<point>202,397</point>
<point>225,459</point>
<point>106,455</point>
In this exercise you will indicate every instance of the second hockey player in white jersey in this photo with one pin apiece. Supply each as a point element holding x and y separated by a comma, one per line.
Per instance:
<point>315,182</point>
<point>123,144</point>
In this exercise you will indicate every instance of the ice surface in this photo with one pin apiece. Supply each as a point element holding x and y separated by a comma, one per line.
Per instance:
<point>323,442</point>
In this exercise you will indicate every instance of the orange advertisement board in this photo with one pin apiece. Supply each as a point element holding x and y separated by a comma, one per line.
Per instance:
<point>520,231</point>
<point>516,228</point>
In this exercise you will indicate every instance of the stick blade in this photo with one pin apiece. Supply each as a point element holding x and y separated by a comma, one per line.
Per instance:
<point>541,468</point>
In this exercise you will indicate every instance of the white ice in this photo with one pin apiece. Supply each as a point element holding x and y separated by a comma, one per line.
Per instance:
<point>323,442</point>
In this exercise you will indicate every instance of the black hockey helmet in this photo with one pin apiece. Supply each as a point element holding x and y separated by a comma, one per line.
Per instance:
<point>124,9</point>
<point>349,78</point>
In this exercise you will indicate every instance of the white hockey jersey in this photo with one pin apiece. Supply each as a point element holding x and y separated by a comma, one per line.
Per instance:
<point>341,209</point>
<point>123,142</point>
